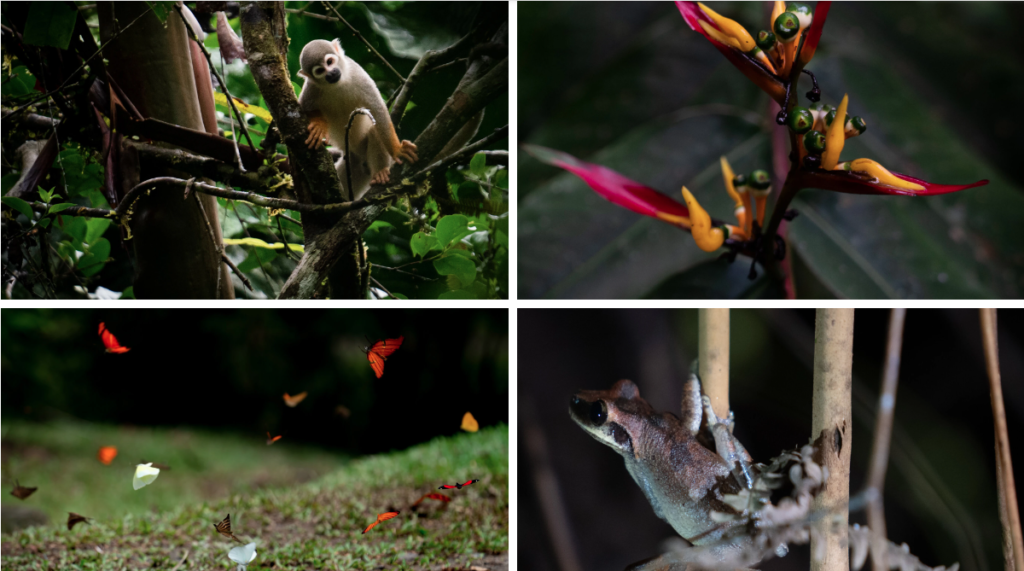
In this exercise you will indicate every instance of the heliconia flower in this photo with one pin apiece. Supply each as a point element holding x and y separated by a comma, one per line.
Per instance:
<point>708,238</point>
<point>851,182</point>
<point>616,188</point>
<point>144,475</point>
<point>741,200</point>
<point>835,137</point>
<point>814,32</point>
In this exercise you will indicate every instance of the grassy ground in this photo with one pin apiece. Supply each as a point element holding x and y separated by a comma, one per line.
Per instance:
<point>315,525</point>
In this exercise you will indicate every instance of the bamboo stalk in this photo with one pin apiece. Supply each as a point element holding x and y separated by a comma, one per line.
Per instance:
<point>713,357</point>
<point>832,426</point>
<point>1013,552</point>
<point>883,437</point>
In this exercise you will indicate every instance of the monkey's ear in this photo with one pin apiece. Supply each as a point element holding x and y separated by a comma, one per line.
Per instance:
<point>337,46</point>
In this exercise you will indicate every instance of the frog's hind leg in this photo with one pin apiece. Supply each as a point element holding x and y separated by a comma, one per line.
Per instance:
<point>727,446</point>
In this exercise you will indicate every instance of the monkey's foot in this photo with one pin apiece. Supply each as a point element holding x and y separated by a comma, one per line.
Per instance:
<point>407,151</point>
<point>318,130</point>
<point>382,177</point>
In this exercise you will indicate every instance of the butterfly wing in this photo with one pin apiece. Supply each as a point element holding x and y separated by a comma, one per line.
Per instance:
<point>469,423</point>
<point>377,362</point>
<point>224,528</point>
<point>74,518</point>
<point>370,526</point>
<point>293,401</point>
<point>386,347</point>
<point>386,516</point>
<point>272,439</point>
<point>109,341</point>
<point>106,454</point>
<point>22,492</point>
<point>470,482</point>
<point>447,487</point>
<point>439,497</point>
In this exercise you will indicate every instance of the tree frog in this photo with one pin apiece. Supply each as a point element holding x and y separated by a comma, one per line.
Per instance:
<point>671,458</point>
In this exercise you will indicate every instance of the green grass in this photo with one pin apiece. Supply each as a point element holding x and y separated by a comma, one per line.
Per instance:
<point>317,524</point>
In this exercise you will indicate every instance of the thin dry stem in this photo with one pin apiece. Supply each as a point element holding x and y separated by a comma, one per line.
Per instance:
<point>713,356</point>
<point>1008,512</point>
<point>832,425</point>
<point>883,437</point>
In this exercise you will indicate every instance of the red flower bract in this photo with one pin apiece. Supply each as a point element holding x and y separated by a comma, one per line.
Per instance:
<point>613,186</point>
<point>842,181</point>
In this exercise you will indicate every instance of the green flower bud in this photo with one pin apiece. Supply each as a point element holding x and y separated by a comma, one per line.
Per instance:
<point>800,120</point>
<point>760,180</point>
<point>786,26</point>
<point>854,126</point>
<point>814,142</point>
<point>739,181</point>
<point>803,13</point>
<point>829,117</point>
<point>765,40</point>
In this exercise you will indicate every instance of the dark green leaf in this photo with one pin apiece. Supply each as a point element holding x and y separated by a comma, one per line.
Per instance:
<point>76,227</point>
<point>451,228</point>
<point>458,266</point>
<point>19,205</point>
<point>95,228</point>
<point>50,24</point>
<point>94,259</point>
<point>55,208</point>
<point>457,294</point>
<point>128,293</point>
<point>422,243</point>
<point>478,164</point>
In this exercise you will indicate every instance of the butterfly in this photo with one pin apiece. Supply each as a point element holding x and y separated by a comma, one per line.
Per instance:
<point>381,517</point>
<point>380,351</point>
<point>144,475</point>
<point>432,496</point>
<point>107,454</point>
<point>22,492</point>
<point>224,528</point>
<point>110,341</point>
<point>74,518</point>
<point>271,440</point>
<point>469,423</point>
<point>243,554</point>
<point>457,486</point>
<point>293,401</point>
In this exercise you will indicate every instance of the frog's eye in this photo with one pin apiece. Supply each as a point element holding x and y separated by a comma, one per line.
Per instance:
<point>598,413</point>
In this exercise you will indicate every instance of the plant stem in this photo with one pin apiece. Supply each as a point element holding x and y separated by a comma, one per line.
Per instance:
<point>713,355</point>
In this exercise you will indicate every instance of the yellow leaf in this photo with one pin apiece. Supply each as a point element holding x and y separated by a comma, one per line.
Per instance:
<point>243,107</point>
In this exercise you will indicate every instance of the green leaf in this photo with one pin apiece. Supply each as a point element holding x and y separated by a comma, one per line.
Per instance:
<point>45,195</point>
<point>501,180</point>
<point>95,228</point>
<point>451,228</point>
<point>75,227</point>
<point>50,24</point>
<point>95,258</point>
<point>19,205</point>
<point>457,294</point>
<point>469,192</point>
<point>45,222</point>
<point>128,293</point>
<point>421,243</point>
<point>458,266</point>
<point>252,261</point>
<point>398,295</point>
<point>55,208</point>
<point>478,164</point>
<point>22,82</point>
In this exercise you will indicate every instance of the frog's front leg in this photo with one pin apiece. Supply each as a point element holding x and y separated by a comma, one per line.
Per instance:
<point>727,446</point>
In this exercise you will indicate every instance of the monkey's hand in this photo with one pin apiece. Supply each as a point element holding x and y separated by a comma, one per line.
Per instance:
<point>407,151</point>
<point>318,129</point>
<point>382,177</point>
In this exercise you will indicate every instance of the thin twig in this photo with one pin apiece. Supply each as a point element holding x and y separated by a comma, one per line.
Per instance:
<point>223,85</point>
<point>217,245</point>
<point>883,438</point>
<point>457,156</point>
<point>713,357</point>
<point>234,268</point>
<point>381,286</point>
<point>1013,552</point>
<point>360,36</point>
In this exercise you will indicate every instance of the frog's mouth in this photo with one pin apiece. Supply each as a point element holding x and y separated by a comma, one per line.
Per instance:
<point>593,417</point>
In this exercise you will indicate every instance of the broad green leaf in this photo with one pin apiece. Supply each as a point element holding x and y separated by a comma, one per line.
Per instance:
<point>75,227</point>
<point>95,227</point>
<point>22,82</point>
<point>451,228</point>
<point>128,293</point>
<point>55,208</point>
<point>422,243</point>
<point>501,179</point>
<point>457,294</point>
<point>478,164</point>
<point>19,205</point>
<point>458,266</point>
<point>50,24</point>
<point>45,222</point>
<point>469,192</point>
<point>256,255</point>
<point>95,258</point>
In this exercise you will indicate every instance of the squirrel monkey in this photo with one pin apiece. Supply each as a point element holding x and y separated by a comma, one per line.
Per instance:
<point>335,85</point>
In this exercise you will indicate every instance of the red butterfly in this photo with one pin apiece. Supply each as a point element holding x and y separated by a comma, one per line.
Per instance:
<point>457,486</point>
<point>272,439</point>
<point>379,352</point>
<point>110,341</point>
<point>433,496</point>
<point>381,517</point>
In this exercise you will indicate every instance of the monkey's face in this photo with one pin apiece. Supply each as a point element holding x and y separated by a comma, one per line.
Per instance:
<point>322,61</point>
<point>328,69</point>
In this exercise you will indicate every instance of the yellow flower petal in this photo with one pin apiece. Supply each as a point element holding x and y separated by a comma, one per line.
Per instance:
<point>681,221</point>
<point>719,35</point>
<point>882,174</point>
<point>728,175</point>
<point>708,238</point>
<point>835,138</point>
<point>743,38</point>
<point>777,11</point>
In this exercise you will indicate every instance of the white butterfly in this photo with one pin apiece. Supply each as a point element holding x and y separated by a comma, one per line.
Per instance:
<point>144,475</point>
<point>243,555</point>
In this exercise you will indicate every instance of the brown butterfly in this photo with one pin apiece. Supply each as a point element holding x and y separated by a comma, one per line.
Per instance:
<point>224,528</point>
<point>293,401</point>
<point>433,496</point>
<point>381,517</point>
<point>74,518</point>
<point>21,492</point>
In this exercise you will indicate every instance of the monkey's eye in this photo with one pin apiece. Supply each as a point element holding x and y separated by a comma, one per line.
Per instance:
<point>318,70</point>
<point>329,61</point>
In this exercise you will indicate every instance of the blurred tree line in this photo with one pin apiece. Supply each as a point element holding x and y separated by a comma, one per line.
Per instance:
<point>228,370</point>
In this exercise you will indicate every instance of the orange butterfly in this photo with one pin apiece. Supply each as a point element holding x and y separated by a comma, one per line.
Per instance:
<point>381,517</point>
<point>110,341</point>
<point>74,518</point>
<point>379,352</point>
<point>224,528</point>
<point>272,439</point>
<point>433,496</point>
<point>293,401</point>
<point>107,454</point>
<point>22,492</point>
<point>469,423</point>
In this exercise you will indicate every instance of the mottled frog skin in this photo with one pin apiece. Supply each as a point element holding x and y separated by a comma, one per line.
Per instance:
<point>683,479</point>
